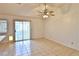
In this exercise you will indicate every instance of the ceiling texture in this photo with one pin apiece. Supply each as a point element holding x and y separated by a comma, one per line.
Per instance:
<point>27,9</point>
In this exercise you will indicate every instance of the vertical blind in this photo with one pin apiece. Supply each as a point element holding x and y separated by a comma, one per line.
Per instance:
<point>3,26</point>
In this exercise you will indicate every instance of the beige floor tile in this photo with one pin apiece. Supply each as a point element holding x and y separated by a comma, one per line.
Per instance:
<point>36,47</point>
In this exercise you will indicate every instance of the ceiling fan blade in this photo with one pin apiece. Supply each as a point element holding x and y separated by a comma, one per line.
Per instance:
<point>39,11</point>
<point>52,14</point>
<point>51,11</point>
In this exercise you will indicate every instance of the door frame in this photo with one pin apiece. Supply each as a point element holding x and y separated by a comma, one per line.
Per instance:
<point>14,36</point>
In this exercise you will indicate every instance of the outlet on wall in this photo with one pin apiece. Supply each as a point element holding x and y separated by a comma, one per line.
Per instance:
<point>72,43</point>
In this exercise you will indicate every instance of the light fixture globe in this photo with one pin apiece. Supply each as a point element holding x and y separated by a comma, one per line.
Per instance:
<point>45,16</point>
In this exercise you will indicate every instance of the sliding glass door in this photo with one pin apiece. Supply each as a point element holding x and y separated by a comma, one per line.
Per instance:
<point>22,30</point>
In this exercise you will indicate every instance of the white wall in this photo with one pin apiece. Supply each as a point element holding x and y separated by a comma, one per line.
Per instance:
<point>64,26</point>
<point>37,28</point>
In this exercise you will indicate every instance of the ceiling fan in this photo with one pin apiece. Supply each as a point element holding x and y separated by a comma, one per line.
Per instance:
<point>46,13</point>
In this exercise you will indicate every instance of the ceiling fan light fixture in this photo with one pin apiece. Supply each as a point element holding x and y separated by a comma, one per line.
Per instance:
<point>45,13</point>
<point>45,16</point>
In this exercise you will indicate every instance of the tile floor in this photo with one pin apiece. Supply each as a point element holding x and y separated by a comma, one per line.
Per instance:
<point>36,47</point>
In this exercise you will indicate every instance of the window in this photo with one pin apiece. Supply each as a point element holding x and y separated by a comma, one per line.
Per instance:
<point>3,26</point>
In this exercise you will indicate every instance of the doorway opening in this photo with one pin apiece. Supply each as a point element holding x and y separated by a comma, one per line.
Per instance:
<point>22,30</point>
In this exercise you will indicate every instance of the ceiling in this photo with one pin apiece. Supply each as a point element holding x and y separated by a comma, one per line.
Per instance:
<point>26,9</point>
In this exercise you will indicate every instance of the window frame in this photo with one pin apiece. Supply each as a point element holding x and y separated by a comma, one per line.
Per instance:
<point>4,33</point>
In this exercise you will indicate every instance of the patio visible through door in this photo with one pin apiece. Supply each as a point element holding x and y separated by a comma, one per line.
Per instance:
<point>22,30</point>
